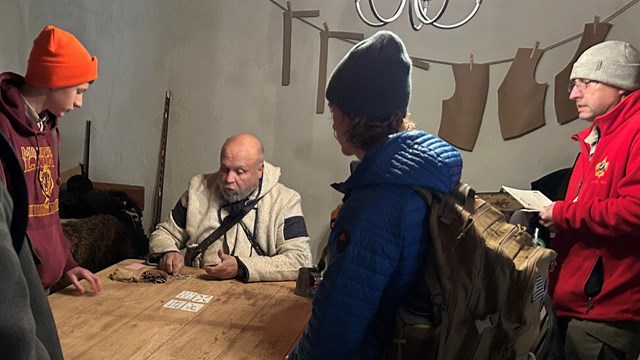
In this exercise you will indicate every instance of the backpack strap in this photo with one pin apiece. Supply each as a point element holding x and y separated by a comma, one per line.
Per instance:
<point>18,190</point>
<point>468,196</point>
<point>444,208</point>
<point>434,201</point>
<point>462,196</point>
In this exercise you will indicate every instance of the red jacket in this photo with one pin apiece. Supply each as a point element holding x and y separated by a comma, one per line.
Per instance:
<point>38,153</point>
<point>604,221</point>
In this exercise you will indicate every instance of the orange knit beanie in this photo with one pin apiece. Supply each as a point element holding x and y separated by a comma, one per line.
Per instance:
<point>58,60</point>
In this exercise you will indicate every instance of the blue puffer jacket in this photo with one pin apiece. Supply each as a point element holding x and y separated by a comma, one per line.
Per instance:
<point>377,244</point>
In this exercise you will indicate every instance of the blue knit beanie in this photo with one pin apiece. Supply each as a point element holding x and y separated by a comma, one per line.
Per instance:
<point>374,78</point>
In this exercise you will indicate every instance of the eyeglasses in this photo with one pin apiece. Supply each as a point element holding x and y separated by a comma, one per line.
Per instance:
<point>580,84</point>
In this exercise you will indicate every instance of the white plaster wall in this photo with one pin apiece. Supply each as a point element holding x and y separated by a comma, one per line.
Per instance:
<point>222,62</point>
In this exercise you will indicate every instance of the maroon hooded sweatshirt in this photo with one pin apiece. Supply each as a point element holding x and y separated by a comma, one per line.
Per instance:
<point>38,153</point>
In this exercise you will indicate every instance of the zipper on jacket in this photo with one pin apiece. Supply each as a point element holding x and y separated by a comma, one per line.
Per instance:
<point>579,186</point>
<point>589,304</point>
<point>583,172</point>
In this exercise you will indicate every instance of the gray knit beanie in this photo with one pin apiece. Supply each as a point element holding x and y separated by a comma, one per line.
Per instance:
<point>374,78</point>
<point>614,63</point>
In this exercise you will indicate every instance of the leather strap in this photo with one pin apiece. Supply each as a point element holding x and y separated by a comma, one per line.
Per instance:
<point>252,240</point>
<point>229,221</point>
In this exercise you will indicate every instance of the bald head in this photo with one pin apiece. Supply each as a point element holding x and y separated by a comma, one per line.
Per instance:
<point>241,166</point>
<point>245,144</point>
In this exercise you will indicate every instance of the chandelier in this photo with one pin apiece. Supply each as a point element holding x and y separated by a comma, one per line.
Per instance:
<point>418,9</point>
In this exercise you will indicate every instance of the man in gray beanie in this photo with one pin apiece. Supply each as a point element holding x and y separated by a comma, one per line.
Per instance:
<point>596,285</point>
<point>379,239</point>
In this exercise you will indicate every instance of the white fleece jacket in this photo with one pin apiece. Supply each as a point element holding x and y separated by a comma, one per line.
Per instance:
<point>276,222</point>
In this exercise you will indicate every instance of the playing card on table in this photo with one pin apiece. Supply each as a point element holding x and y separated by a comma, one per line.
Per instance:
<point>202,298</point>
<point>193,307</point>
<point>174,304</point>
<point>134,266</point>
<point>186,295</point>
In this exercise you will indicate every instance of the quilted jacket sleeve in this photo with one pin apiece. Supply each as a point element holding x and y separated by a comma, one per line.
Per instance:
<point>368,250</point>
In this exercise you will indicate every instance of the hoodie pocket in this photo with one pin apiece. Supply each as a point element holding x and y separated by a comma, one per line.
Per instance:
<point>594,283</point>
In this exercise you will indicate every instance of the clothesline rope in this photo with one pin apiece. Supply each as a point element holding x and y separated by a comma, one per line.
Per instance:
<point>494,62</point>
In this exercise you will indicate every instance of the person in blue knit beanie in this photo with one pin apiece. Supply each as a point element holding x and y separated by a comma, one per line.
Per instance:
<point>379,239</point>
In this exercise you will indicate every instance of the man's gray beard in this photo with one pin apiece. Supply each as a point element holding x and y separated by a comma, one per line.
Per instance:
<point>232,198</point>
<point>237,197</point>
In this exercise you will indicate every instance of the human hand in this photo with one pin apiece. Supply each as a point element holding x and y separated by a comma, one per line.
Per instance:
<point>227,269</point>
<point>78,273</point>
<point>171,262</point>
<point>546,218</point>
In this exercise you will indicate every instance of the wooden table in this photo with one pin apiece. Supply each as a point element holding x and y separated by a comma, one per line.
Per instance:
<point>128,320</point>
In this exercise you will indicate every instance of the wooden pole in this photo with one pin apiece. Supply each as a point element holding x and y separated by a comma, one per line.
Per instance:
<point>157,201</point>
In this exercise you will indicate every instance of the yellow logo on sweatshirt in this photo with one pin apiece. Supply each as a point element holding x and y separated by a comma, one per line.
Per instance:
<point>40,159</point>
<point>44,209</point>
<point>601,168</point>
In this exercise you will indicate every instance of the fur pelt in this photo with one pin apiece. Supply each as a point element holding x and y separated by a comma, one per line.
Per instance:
<point>104,227</point>
<point>100,241</point>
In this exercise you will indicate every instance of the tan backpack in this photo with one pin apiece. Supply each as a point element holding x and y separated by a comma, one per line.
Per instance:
<point>483,292</point>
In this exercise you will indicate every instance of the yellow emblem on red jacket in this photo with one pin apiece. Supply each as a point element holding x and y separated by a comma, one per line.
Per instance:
<point>601,168</point>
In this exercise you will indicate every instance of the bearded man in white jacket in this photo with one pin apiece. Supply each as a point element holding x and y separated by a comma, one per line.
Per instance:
<point>270,241</point>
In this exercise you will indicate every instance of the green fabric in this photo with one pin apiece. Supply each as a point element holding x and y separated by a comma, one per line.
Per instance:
<point>602,340</point>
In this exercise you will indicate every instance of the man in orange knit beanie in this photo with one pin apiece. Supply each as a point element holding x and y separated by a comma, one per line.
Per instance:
<point>59,72</point>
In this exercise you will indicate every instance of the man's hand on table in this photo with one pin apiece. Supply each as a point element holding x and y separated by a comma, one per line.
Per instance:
<point>77,273</point>
<point>227,269</point>
<point>171,262</point>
